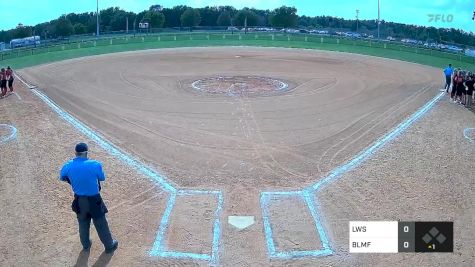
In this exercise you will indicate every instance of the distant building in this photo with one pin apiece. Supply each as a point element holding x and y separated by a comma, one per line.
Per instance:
<point>20,25</point>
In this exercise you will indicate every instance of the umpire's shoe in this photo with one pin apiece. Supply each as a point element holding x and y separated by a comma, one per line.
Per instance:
<point>114,246</point>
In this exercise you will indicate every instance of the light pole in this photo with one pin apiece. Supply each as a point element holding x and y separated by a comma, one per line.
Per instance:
<point>97,19</point>
<point>357,17</point>
<point>135,21</point>
<point>379,19</point>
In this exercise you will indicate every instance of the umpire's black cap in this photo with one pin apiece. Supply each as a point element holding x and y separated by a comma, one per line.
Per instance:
<point>81,147</point>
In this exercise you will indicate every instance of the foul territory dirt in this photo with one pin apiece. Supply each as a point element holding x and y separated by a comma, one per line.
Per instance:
<point>241,120</point>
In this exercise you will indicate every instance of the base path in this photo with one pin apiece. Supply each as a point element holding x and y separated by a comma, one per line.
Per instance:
<point>224,133</point>
<point>232,137</point>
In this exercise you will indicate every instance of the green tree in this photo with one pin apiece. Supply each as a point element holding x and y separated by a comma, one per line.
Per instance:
<point>155,18</point>
<point>22,32</point>
<point>209,16</point>
<point>241,15</point>
<point>284,17</point>
<point>224,19</point>
<point>40,29</point>
<point>115,19</point>
<point>190,18</point>
<point>118,21</point>
<point>79,28</point>
<point>63,27</point>
<point>173,16</point>
<point>139,18</point>
<point>262,17</point>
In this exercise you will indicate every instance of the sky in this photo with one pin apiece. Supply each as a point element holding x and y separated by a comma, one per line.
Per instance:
<point>456,13</point>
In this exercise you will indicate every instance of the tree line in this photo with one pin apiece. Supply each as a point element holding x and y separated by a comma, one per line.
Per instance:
<point>115,19</point>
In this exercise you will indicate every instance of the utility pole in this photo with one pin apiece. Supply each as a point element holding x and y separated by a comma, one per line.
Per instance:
<point>357,17</point>
<point>379,19</point>
<point>135,22</point>
<point>127,25</point>
<point>245,25</point>
<point>97,19</point>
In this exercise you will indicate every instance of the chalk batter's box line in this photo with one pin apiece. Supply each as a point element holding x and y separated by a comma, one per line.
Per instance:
<point>266,198</point>
<point>159,248</point>
<point>156,177</point>
<point>309,194</point>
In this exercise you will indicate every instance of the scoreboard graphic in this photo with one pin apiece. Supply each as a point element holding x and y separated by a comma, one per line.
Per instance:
<point>394,237</point>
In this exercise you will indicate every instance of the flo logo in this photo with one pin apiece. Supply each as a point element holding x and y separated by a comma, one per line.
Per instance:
<point>441,17</point>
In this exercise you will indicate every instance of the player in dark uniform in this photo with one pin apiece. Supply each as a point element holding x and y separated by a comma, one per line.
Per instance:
<point>463,88</point>
<point>458,87</point>
<point>3,82</point>
<point>470,87</point>
<point>10,78</point>
<point>454,85</point>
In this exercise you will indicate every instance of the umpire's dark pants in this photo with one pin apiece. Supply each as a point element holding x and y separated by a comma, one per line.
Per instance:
<point>448,81</point>
<point>92,207</point>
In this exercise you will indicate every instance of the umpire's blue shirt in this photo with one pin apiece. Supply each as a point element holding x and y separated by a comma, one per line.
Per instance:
<point>448,71</point>
<point>84,175</point>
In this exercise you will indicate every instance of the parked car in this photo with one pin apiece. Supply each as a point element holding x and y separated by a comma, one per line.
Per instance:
<point>454,48</point>
<point>318,32</point>
<point>470,53</point>
<point>352,35</point>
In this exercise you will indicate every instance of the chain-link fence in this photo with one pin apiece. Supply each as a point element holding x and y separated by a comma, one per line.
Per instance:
<point>320,37</point>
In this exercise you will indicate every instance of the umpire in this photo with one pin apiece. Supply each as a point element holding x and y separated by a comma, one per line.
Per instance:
<point>448,77</point>
<point>84,176</point>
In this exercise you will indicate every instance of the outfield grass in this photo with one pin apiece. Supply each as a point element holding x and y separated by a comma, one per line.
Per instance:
<point>26,58</point>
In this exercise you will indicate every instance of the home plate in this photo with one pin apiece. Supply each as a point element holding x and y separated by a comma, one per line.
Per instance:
<point>241,222</point>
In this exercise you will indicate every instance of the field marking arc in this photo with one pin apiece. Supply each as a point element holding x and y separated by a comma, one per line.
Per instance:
<point>158,248</point>
<point>10,136</point>
<point>465,134</point>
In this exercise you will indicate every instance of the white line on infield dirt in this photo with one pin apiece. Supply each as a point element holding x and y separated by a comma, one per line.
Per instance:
<point>25,83</point>
<point>17,95</point>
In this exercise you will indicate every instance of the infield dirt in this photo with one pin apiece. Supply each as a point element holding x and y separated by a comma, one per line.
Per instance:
<point>337,105</point>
